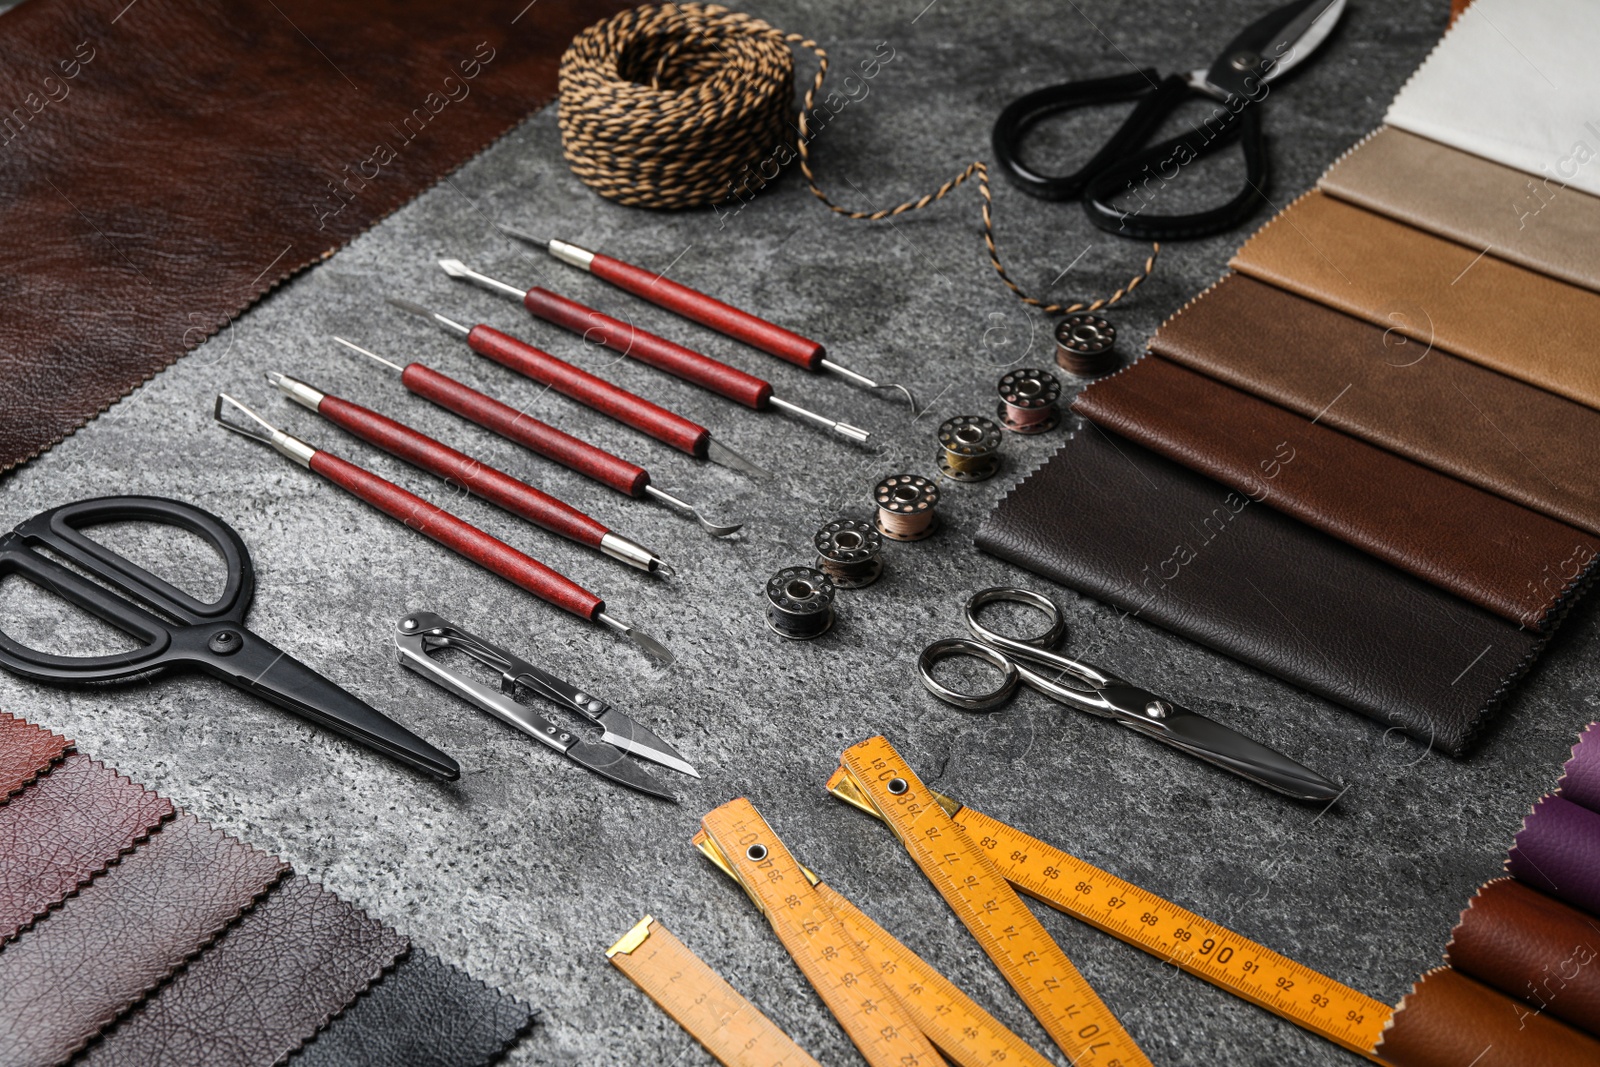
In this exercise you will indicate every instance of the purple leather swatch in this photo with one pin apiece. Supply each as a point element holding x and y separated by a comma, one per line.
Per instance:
<point>1558,852</point>
<point>1580,778</point>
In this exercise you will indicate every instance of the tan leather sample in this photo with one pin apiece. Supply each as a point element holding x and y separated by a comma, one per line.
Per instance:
<point>1526,219</point>
<point>1494,432</point>
<point>1482,547</point>
<point>26,751</point>
<point>1451,1020</point>
<point>1440,293</point>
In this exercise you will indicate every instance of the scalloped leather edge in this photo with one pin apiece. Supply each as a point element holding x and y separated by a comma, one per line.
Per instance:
<point>68,746</point>
<point>1377,1048</point>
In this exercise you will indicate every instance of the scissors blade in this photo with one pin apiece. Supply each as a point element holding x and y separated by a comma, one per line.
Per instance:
<point>630,736</point>
<point>1271,46</point>
<point>610,763</point>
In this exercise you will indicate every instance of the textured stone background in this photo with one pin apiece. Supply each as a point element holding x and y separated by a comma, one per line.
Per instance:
<point>529,867</point>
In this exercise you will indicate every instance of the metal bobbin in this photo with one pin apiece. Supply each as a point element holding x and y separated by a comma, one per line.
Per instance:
<point>969,448</point>
<point>847,552</point>
<point>799,603</point>
<point>906,505</point>
<point>1028,401</point>
<point>1086,345</point>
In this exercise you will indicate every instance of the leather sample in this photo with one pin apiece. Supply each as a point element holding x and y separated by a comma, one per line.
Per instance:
<point>424,1013</point>
<point>1532,947</point>
<point>1436,292</point>
<point>1557,851</point>
<point>1478,546</point>
<point>1488,430</point>
<point>26,751</point>
<point>103,950</point>
<point>1450,1020</point>
<point>65,829</point>
<point>1580,777</point>
<point>165,172</point>
<point>268,984</point>
<point>1199,559</point>
<point>1531,221</point>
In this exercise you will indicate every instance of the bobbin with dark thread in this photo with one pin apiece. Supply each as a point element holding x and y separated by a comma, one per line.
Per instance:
<point>969,448</point>
<point>800,603</point>
<point>906,505</point>
<point>1086,345</point>
<point>847,552</point>
<point>1029,401</point>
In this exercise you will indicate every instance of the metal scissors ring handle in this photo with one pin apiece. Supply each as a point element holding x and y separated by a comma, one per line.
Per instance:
<point>961,646</point>
<point>1026,647</point>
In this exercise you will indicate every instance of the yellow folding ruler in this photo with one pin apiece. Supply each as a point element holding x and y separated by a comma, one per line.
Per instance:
<point>874,778</point>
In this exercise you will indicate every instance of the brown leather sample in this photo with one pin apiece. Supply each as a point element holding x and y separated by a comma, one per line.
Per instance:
<point>1523,218</point>
<point>65,829</point>
<point>271,982</point>
<point>1450,1020</point>
<point>1201,560</point>
<point>167,165</point>
<point>26,751</point>
<point>1494,432</point>
<point>105,949</point>
<point>1532,947</point>
<point>1479,546</point>
<point>1436,292</point>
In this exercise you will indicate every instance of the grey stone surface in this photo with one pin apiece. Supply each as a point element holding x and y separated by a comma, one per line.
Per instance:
<point>529,867</point>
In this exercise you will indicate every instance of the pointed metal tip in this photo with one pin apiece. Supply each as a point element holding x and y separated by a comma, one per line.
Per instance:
<point>369,354</point>
<point>911,398</point>
<point>719,453</point>
<point>522,235</point>
<point>647,644</point>
<point>275,378</point>
<point>453,267</point>
<point>686,508</point>
<point>409,306</point>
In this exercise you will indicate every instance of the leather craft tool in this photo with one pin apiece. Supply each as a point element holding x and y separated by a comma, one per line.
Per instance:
<point>421,634</point>
<point>708,311</point>
<point>698,999</point>
<point>460,537</point>
<point>592,392</point>
<point>571,452</point>
<point>658,352</point>
<point>1085,687</point>
<point>906,504</point>
<point>1131,171</point>
<point>799,603</point>
<point>186,632</point>
<point>1081,1025</point>
<point>495,486</point>
<point>1172,934</point>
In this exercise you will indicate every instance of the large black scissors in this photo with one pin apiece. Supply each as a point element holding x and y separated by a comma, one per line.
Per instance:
<point>1131,169</point>
<point>176,629</point>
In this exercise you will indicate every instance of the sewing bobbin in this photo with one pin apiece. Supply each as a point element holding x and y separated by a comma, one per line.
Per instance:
<point>969,448</point>
<point>847,552</point>
<point>1086,345</point>
<point>799,603</point>
<point>1028,401</point>
<point>906,505</point>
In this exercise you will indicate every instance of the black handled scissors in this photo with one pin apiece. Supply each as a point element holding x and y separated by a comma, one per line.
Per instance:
<point>186,632</point>
<point>1130,168</point>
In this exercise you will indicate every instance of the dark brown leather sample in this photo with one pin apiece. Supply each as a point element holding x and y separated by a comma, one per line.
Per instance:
<point>1557,851</point>
<point>1125,526</point>
<point>167,165</point>
<point>1519,322</point>
<point>1450,1020</point>
<point>65,829</point>
<point>1478,546</point>
<point>1532,947</point>
<point>1494,432</point>
<point>105,949</point>
<point>26,751</point>
<point>270,982</point>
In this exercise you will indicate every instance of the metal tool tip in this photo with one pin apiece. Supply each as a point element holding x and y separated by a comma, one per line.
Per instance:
<point>409,306</point>
<point>522,235</point>
<point>911,398</point>
<point>854,434</point>
<point>663,567</point>
<point>274,377</point>
<point>647,644</point>
<point>453,267</point>
<point>369,354</point>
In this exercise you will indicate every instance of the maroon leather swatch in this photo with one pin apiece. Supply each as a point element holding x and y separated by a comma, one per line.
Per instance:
<point>1532,947</point>
<point>168,162</point>
<point>1481,547</point>
<point>1451,1020</point>
<point>105,949</point>
<point>64,830</point>
<point>1580,778</point>
<point>26,751</point>
<point>278,976</point>
<point>1557,851</point>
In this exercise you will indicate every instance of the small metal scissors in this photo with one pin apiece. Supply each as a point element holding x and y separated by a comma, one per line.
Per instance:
<point>1086,687</point>
<point>1264,51</point>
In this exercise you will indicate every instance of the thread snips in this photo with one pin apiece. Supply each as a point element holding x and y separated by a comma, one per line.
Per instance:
<point>421,634</point>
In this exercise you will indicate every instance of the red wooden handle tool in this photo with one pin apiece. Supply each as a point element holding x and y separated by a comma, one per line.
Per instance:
<point>646,347</point>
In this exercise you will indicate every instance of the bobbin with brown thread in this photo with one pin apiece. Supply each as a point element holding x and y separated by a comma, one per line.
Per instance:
<point>799,603</point>
<point>1086,345</point>
<point>969,448</point>
<point>847,552</point>
<point>906,504</point>
<point>1029,401</point>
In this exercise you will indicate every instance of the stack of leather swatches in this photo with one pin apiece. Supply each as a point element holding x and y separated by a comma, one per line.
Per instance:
<point>133,933</point>
<point>1521,985</point>
<point>1365,461</point>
